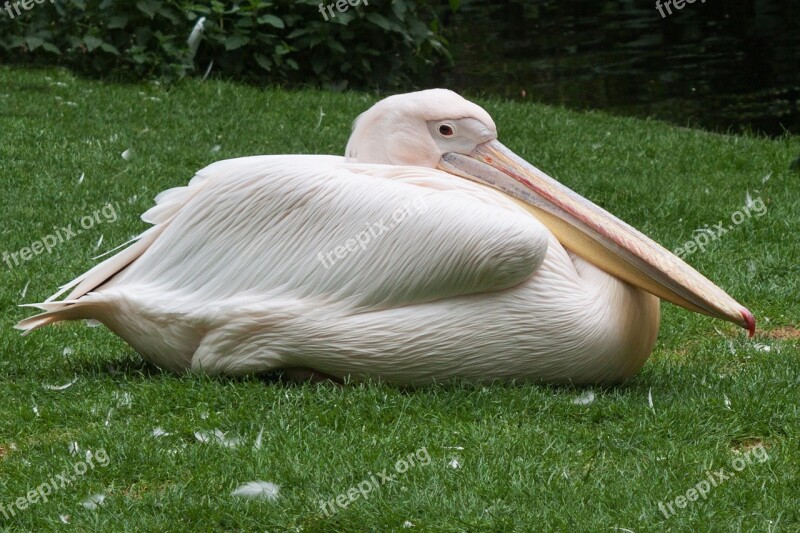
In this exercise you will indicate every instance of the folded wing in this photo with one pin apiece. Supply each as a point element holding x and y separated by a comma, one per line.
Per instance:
<point>319,230</point>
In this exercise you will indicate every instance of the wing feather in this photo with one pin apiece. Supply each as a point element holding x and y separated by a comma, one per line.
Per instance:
<point>320,230</point>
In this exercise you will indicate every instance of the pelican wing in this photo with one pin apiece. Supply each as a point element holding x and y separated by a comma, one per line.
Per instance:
<point>322,231</point>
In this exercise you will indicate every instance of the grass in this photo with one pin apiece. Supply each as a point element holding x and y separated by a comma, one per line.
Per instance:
<point>529,457</point>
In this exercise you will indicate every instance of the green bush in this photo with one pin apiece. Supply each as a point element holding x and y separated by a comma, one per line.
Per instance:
<point>381,44</point>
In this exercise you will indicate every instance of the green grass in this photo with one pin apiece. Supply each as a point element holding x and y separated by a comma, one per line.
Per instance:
<point>530,458</point>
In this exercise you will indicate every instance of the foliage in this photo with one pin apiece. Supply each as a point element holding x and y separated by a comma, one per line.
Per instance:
<point>384,44</point>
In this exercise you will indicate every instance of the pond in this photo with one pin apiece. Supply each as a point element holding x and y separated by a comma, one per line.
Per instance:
<point>722,66</point>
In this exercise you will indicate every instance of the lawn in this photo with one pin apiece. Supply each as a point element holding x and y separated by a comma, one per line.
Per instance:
<point>709,427</point>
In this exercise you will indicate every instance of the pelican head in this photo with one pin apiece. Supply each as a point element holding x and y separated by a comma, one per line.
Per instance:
<point>439,129</point>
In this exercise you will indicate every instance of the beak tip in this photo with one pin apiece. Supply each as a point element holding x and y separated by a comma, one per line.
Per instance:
<point>749,322</point>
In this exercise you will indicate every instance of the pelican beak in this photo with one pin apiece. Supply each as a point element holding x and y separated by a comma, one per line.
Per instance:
<point>595,234</point>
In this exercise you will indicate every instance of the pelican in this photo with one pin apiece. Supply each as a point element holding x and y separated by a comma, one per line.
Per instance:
<point>430,252</point>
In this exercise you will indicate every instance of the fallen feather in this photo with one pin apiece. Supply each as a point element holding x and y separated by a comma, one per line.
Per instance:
<point>650,399</point>
<point>762,347</point>
<point>208,71</point>
<point>94,501</point>
<point>80,180</point>
<point>126,155</point>
<point>24,290</point>
<point>159,432</point>
<point>217,437</point>
<point>123,400</point>
<point>727,401</point>
<point>194,37</point>
<point>67,351</point>
<point>454,464</point>
<point>584,399</point>
<point>65,518</point>
<point>216,148</point>
<point>61,387</point>
<point>408,524</point>
<point>748,200</point>
<point>260,490</point>
<point>257,443</point>
<point>321,115</point>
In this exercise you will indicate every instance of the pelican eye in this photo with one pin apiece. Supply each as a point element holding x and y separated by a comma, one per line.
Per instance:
<point>446,130</point>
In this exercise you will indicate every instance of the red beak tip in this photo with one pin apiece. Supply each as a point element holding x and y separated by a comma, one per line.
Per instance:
<point>749,321</point>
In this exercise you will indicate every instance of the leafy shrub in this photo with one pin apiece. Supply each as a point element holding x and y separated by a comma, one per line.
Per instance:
<point>381,44</point>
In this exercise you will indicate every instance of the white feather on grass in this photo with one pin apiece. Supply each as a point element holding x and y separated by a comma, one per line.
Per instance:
<point>584,399</point>
<point>217,437</point>
<point>257,443</point>
<point>94,501</point>
<point>748,200</point>
<point>257,490</point>
<point>61,387</point>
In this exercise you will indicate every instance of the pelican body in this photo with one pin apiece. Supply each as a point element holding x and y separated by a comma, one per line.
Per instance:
<point>429,252</point>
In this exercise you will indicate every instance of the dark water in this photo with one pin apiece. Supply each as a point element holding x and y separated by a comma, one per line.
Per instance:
<point>727,65</point>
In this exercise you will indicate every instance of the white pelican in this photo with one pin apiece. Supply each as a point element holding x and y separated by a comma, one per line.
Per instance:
<point>388,264</point>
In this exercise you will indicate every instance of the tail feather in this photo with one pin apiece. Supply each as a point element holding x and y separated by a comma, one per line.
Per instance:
<point>75,308</point>
<point>65,311</point>
<point>102,272</point>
